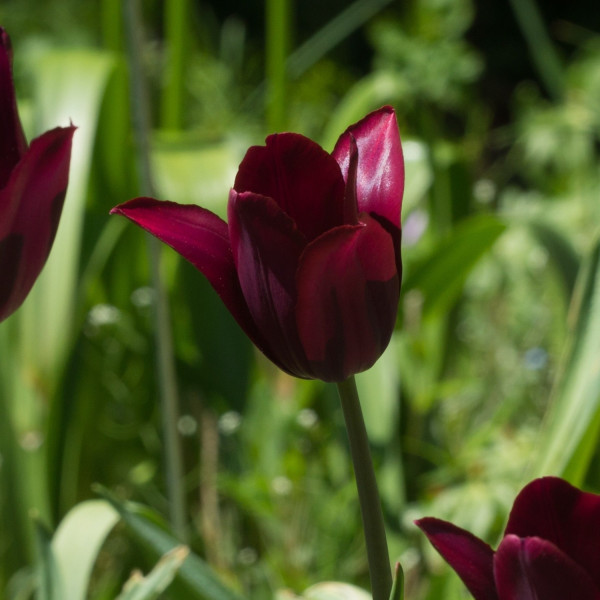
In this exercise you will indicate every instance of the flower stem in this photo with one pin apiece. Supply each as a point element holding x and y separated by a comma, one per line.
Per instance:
<point>176,17</point>
<point>370,505</point>
<point>164,341</point>
<point>278,26</point>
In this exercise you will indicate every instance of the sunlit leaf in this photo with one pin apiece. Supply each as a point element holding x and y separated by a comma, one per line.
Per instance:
<point>332,590</point>
<point>77,542</point>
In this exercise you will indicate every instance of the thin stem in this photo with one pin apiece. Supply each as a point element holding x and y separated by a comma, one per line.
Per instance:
<point>277,45</point>
<point>176,34</point>
<point>542,51</point>
<point>368,495</point>
<point>164,342</point>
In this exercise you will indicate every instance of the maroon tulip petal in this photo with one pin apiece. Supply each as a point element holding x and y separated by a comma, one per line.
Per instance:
<point>266,246</point>
<point>30,208</point>
<point>470,557</point>
<point>300,176</point>
<point>202,238</point>
<point>380,180</point>
<point>12,140</point>
<point>535,569</point>
<point>552,509</point>
<point>348,290</point>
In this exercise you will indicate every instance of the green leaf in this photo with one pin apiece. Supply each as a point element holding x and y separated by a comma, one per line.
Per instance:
<point>573,421</point>
<point>149,587</point>
<point>561,252</point>
<point>77,542</point>
<point>49,585</point>
<point>332,590</point>
<point>378,389</point>
<point>440,276</point>
<point>69,86</point>
<point>196,580</point>
<point>398,587</point>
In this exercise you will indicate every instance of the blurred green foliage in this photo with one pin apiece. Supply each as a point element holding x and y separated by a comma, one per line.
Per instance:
<point>490,379</point>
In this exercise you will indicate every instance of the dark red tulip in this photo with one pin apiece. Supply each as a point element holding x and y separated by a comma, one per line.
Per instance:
<point>33,183</point>
<point>309,261</point>
<point>550,549</point>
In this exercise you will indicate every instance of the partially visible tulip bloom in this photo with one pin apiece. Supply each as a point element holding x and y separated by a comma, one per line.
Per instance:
<point>550,549</point>
<point>33,183</point>
<point>309,261</point>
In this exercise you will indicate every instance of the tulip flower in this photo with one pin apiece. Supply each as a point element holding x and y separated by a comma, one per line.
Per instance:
<point>550,549</point>
<point>309,261</point>
<point>33,184</point>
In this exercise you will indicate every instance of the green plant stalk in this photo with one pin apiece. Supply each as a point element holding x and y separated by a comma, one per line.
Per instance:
<point>176,30</point>
<point>368,494</point>
<point>277,46</point>
<point>541,49</point>
<point>112,24</point>
<point>164,341</point>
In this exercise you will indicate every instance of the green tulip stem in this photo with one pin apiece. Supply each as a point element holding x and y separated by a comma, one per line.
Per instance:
<point>368,495</point>
<point>164,342</point>
<point>278,29</point>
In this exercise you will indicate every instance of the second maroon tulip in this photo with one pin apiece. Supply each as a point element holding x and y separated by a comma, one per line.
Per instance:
<point>549,551</point>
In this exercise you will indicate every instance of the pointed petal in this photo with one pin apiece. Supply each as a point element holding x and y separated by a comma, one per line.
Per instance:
<point>470,557</point>
<point>534,569</point>
<point>266,247</point>
<point>30,208</point>
<point>380,178</point>
<point>202,238</point>
<point>552,509</point>
<point>300,176</point>
<point>12,140</point>
<point>350,198</point>
<point>348,290</point>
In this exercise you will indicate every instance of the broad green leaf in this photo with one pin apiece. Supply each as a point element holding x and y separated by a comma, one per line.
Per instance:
<point>76,544</point>
<point>572,424</point>
<point>139,587</point>
<point>195,578</point>
<point>69,86</point>
<point>441,275</point>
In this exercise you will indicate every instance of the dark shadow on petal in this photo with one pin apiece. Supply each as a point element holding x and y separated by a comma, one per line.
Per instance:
<point>11,250</point>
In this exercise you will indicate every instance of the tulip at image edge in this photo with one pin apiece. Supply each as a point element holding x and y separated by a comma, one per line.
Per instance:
<point>549,550</point>
<point>309,261</point>
<point>33,185</point>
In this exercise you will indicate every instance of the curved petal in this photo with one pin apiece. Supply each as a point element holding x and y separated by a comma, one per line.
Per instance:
<point>552,509</point>
<point>12,140</point>
<point>348,289</point>
<point>202,238</point>
<point>380,177</point>
<point>470,557</point>
<point>534,569</point>
<point>266,246</point>
<point>300,176</point>
<point>30,209</point>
